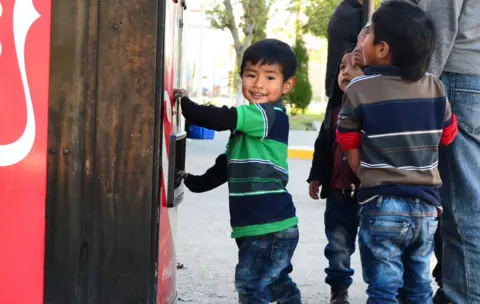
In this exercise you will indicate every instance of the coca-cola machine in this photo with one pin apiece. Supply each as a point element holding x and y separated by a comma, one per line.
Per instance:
<point>91,142</point>
<point>24,73</point>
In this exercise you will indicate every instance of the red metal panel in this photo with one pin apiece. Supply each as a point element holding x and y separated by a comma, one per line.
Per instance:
<point>24,74</point>
<point>166,253</point>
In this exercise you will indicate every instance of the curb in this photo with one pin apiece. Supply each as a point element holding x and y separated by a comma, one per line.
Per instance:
<point>299,152</point>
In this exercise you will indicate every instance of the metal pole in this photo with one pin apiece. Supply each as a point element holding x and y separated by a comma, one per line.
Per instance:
<point>200,56</point>
<point>367,10</point>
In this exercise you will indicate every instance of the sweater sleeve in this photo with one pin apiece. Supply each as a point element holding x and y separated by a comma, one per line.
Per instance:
<point>450,127</point>
<point>255,120</point>
<point>211,179</point>
<point>348,126</point>
<point>320,156</point>
<point>210,117</point>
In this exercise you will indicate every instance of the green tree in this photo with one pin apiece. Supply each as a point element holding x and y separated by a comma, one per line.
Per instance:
<point>301,95</point>
<point>319,13</point>
<point>252,26</point>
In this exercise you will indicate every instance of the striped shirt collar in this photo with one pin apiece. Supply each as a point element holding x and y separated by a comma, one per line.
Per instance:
<point>383,70</point>
<point>279,104</point>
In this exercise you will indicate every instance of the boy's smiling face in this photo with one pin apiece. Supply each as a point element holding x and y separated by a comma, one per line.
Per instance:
<point>263,83</point>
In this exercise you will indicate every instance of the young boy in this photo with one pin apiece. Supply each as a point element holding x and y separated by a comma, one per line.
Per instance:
<point>392,121</point>
<point>339,186</point>
<point>263,216</point>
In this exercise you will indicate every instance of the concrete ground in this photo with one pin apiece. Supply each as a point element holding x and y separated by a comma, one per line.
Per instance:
<point>209,255</point>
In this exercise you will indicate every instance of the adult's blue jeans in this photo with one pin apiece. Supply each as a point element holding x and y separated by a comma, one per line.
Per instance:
<point>459,165</point>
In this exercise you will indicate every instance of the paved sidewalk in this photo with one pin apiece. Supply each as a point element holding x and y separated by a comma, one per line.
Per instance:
<point>301,144</point>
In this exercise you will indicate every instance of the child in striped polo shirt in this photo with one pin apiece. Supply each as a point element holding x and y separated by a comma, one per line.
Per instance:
<point>391,124</point>
<point>263,216</point>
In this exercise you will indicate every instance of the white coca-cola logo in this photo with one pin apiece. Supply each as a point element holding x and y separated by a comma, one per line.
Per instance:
<point>24,15</point>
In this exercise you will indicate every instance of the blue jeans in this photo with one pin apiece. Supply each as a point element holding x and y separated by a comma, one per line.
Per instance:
<point>264,266</point>
<point>396,243</point>
<point>341,226</point>
<point>459,165</point>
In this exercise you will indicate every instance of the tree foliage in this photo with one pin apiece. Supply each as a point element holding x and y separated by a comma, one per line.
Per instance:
<point>301,95</point>
<point>319,13</point>
<point>252,26</point>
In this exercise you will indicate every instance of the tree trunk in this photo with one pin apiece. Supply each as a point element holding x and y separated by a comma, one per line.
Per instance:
<point>239,99</point>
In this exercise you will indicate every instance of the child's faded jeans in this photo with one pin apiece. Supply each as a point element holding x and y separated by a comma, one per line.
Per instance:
<point>263,272</point>
<point>396,243</point>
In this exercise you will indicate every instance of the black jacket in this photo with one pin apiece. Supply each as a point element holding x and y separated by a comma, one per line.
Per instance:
<point>322,163</point>
<point>343,29</point>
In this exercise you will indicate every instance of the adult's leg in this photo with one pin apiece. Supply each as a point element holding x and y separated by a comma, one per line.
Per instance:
<point>459,166</point>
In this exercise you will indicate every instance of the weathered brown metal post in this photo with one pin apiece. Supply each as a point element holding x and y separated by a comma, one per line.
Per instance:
<point>103,166</point>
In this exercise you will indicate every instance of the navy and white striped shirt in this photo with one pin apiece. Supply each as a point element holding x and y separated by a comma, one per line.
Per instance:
<point>398,126</point>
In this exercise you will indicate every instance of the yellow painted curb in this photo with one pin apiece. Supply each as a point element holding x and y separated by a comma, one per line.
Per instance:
<point>300,153</point>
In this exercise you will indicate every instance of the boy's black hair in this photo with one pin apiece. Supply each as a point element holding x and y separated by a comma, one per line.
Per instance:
<point>271,51</point>
<point>410,34</point>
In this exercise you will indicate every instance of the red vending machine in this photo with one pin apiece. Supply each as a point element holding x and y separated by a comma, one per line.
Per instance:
<point>91,142</point>
<point>24,74</point>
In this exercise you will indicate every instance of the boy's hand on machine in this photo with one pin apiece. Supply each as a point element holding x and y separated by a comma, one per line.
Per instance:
<point>313,189</point>
<point>181,92</point>
<point>183,174</point>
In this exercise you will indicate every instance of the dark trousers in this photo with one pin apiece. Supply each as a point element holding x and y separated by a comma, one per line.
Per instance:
<point>341,227</point>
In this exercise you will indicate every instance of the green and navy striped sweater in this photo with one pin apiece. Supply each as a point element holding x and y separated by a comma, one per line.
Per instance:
<point>255,165</point>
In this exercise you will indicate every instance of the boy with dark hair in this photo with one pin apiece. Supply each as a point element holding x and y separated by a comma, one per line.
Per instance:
<point>263,216</point>
<point>391,125</point>
<point>331,171</point>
